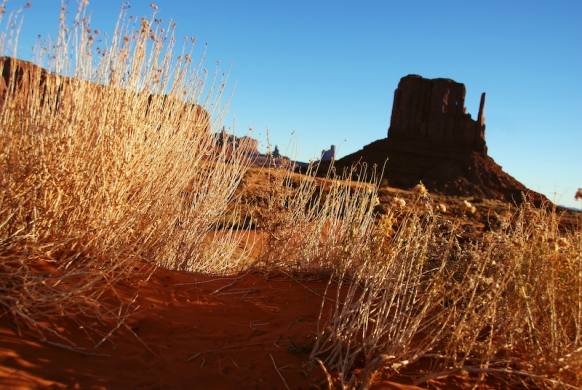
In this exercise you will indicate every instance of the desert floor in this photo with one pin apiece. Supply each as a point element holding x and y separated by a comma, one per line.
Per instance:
<point>192,331</point>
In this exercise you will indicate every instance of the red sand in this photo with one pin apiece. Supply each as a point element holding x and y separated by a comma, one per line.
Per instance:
<point>204,332</point>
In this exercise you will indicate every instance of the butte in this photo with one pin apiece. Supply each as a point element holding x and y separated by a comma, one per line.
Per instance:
<point>433,139</point>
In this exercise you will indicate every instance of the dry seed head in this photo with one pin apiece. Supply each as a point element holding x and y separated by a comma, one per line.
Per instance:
<point>385,225</point>
<point>399,202</point>
<point>469,207</point>
<point>562,243</point>
<point>420,189</point>
<point>578,195</point>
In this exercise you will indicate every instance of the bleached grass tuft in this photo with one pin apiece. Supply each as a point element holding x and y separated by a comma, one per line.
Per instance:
<point>508,305</point>
<point>109,169</point>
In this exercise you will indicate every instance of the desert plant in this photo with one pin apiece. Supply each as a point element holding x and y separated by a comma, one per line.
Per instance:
<point>391,297</point>
<point>313,224</point>
<point>108,159</point>
<point>506,306</point>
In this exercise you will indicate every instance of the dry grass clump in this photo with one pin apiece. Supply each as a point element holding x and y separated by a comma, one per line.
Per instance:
<point>110,168</point>
<point>108,159</point>
<point>313,224</point>
<point>507,307</point>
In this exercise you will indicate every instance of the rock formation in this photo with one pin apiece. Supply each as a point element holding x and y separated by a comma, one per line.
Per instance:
<point>28,84</point>
<point>328,155</point>
<point>246,144</point>
<point>433,112</point>
<point>433,139</point>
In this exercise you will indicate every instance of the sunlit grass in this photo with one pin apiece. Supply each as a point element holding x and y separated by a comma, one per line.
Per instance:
<point>110,169</point>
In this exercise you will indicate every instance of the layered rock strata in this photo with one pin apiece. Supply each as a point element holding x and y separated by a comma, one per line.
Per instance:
<point>433,139</point>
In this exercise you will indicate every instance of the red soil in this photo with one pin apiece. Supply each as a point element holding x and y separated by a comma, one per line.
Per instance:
<point>251,332</point>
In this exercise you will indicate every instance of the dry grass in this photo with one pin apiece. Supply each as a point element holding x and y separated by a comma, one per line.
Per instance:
<point>507,306</point>
<point>110,169</point>
<point>312,224</point>
<point>108,164</point>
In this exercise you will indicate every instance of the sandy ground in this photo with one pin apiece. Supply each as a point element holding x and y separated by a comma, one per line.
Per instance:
<point>201,332</point>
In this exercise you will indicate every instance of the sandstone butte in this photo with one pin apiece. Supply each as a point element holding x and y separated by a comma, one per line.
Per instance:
<point>433,139</point>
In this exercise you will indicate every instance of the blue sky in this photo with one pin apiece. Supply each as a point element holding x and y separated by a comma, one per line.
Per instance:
<point>326,71</point>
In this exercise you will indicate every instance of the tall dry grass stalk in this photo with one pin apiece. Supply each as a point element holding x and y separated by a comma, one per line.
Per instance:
<point>507,306</point>
<point>107,159</point>
<point>313,224</point>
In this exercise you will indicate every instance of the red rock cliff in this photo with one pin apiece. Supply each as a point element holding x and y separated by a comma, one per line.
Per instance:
<point>433,111</point>
<point>434,140</point>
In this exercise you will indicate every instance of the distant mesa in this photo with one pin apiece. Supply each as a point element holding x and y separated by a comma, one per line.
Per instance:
<point>248,144</point>
<point>250,147</point>
<point>30,84</point>
<point>433,139</point>
<point>433,112</point>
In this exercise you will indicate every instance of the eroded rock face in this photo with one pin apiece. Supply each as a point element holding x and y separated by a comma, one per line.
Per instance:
<point>25,76</point>
<point>433,112</point>
<point>434,140</point>
<point>29,84</point>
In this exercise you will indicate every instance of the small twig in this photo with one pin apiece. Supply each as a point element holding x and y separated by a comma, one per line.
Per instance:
<point>78,350</point>
<point>224,287</point>
<point>245,291</point>
<point>214,280</point>
<point>120,322</point>
<point>110,332</point>
<point>295,347</point>
<point>205,281</point>
<point>294,322</point>
<point>194,357</point>
<point>309,288</point>
<point>252,324</point>
<point>141,341</point>
<point>329,380</point>
<point>279,372</point>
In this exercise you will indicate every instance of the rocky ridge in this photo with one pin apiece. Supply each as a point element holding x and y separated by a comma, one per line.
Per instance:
<point>30,84</point>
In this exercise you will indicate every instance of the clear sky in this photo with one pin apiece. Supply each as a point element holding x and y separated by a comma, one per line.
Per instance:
<point>327,70</point>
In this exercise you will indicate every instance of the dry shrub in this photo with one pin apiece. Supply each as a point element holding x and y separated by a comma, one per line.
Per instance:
<point>391,297</point>
<point>109,159</point>
<point>507,306</point>
<point>110,168</point>
<point>313,224</point>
